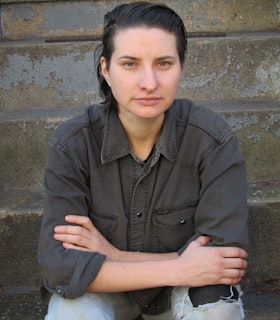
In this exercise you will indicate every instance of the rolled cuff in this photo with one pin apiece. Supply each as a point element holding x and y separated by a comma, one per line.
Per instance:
<point>86,269</point>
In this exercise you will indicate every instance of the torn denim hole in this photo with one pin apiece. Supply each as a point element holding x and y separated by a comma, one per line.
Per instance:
<point>182,308</point>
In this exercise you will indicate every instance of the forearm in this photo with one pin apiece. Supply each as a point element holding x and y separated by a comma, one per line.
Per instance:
<point>129,256</point>
<point>134,275</point>
<point>125,271</point>
<point>197,266</point>
<point>133,271</point>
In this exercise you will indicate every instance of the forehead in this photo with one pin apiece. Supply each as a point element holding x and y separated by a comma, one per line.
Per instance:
<point>142,40</point>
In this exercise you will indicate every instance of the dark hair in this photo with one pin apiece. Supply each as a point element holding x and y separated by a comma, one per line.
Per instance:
<point>136,14</point>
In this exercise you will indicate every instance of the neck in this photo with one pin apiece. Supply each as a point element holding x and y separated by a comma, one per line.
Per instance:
<point>142,134</point>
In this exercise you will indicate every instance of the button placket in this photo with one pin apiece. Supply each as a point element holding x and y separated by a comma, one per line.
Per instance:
<point>139,206</point>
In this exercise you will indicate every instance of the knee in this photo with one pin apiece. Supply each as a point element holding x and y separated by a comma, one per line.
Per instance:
<point>183,309</point>
<point>87,307</point>
<point>212,293</point>
<point>223,309</point>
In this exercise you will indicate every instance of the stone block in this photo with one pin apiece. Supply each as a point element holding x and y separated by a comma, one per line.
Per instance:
<point>48,19</point>
<point>36,75</point>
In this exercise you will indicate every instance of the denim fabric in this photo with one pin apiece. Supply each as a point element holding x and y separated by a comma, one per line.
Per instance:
<point>194,183</point>
<point>91,306</point>
<point>120,306</point>
<point>182,308</point>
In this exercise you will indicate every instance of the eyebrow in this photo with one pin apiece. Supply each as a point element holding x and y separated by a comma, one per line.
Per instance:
<point>128,57</point>
<point>135,58</point>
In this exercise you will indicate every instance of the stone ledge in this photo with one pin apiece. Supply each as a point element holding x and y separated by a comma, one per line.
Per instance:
<point>24,135</point>
<point>37,19</point>
<point>237,67</point>
<point>20,221</point>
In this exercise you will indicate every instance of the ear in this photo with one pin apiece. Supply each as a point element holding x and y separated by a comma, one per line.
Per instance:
<point>104,70</point>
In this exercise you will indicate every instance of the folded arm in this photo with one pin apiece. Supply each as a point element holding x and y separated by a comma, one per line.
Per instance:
<point>199,265</point>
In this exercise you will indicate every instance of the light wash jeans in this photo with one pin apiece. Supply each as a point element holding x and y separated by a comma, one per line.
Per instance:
<point>120,306</point>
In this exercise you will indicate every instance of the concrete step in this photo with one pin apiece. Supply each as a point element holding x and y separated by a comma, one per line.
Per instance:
<point>21,212</point>
<point>24,135</point>
<point>257,125</point>
<point>235,67</point>
<point>24,142</point>
<point>48,19</point>
<point>20,219</point>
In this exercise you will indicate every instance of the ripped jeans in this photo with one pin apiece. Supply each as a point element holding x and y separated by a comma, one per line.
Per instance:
<point>120,306</point>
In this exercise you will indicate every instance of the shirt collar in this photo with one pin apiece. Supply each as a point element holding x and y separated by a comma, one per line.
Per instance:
<point>167,145</point>
<point>115,144</point>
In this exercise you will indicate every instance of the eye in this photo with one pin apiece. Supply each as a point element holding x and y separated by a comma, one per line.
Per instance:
<point>164,64</point>
<point>129,64</point>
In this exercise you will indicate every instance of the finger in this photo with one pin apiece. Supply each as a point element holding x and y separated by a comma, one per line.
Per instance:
<point>233,252</point>
<point>230,281</point>
<point>75,240</point>
<point>80,220</point>
<point>67,245</point>
<point>75,230</point>
<point>232,276</point>
<point>235,263</point>
<point>234,273</point>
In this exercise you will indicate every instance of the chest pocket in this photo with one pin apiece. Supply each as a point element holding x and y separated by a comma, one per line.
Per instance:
<point>105,223</point>
<point>174,227</point>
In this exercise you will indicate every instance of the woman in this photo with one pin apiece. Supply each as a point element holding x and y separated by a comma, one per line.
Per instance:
<point>146,209</point>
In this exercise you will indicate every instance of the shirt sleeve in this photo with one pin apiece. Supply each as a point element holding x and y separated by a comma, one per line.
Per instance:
<point>222,211</point>
<point>66,272</point>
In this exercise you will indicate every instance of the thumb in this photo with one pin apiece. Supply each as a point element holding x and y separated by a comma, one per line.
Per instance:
<point>200,241</point>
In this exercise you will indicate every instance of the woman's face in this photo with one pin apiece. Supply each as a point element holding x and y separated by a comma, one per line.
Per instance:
<point>144,71</point>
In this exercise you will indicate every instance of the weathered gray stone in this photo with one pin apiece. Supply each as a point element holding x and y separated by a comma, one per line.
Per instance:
<point>24,136</point>
<point>44,75</point>
<point>264,221</point>
<point>259,136</point>
<point>19,235</point>
<point>20,220</point>
<point>237,75</point>
<point>245,66</point>
<point>240,67</point>
<point>37,19</point>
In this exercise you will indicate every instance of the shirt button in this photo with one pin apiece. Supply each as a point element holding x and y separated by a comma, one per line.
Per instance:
<point>139,214</point>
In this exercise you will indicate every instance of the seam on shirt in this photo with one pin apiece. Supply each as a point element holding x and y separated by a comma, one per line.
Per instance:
<point>221,138</point>
<point>55,144</point>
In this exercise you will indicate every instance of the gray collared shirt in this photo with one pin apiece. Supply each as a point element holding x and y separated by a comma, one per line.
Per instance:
<point>192,184</point>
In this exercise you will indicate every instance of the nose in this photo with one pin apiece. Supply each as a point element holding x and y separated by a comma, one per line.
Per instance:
<point>148,80</point>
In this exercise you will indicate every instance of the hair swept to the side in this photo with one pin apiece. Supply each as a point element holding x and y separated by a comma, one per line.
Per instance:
<point>136,14</point>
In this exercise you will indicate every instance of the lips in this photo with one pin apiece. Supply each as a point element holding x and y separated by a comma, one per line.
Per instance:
<point>148,101</point>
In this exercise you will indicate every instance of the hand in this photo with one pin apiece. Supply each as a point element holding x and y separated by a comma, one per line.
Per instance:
<point>84,236</point>
<point>211,265</point>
